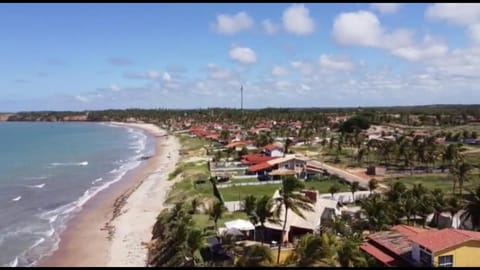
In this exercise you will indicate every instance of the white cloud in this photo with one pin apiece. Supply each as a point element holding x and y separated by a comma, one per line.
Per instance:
<point>269,27</point>
<point>304,67</point>
<point>473,31</point>
<point>153,74</point>
<point>279,71</point>
<point>357,28</point>
<point>81,98</point>
<point>430,48</point>
<point>232,24</point>
<point>243,55</point>
<point>336,62</point>
<point>363,28</point>
<point>296,20</point>
<point>386,8</point>
<point>114,87</point>
<point>455,13</point>
<point>166,76</point>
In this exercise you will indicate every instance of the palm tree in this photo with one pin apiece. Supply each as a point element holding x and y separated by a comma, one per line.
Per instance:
<point>438,204</point>
<point>472,208</point>
<point>377,211</point>
<point>255,256</point>
<point>215,212</point>
<point>263,212</point>
<point>288,142</point>
<point>307,252</point>
<point>195,241</point>
<point>349,254</point>
<point>334,189</point>
<point>354,188</point>
<point>289,199</point>
<point>372,185</point>
<point>460,172</point>
<point>249,204</point>
<point>454,205</point>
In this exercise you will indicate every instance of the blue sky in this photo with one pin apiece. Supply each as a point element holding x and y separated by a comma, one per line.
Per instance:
<point>98,56</point>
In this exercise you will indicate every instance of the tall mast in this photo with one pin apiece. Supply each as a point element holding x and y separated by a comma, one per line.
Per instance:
<point>241,97</point>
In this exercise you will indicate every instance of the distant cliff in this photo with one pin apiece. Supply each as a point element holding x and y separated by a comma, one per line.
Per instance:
<point>4,117</point>
<point>48,117</point>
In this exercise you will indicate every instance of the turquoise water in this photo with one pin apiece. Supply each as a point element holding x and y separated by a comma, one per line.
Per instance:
<point>48,171</point>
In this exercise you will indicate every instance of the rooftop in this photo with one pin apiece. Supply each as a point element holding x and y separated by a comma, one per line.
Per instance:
<point>438,240</point>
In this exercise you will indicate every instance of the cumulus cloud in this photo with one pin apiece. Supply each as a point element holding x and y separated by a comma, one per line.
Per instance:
<point>454,13</point>
<point>149,75</point>
<point>279,71</point>
<point>296,19</point>
<point>430,48</point>
<point>269,27</point>
<point>340,63</point>
<point>386,8</point>
<point>232,24</point>
<point>166,76</point>
<point>364,29</point>
<point>304,67</point>
<point>473,31</point>
<point>120,61</point>
<point>81,98</point>
<point>243,55</point>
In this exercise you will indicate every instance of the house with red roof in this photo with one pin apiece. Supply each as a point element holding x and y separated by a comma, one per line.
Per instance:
<point>405,245</point>
<point>273,150</point>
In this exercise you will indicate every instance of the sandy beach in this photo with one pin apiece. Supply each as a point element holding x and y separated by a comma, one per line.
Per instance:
<point>110,229</point>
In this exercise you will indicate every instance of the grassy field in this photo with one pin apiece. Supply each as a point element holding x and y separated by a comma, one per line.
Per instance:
<point>190,169</point>
<point>240,192</point>
<point>432,181</point>
<point>191,143</point>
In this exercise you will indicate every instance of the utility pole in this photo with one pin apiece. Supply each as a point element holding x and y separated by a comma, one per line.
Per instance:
<point>241,98</point>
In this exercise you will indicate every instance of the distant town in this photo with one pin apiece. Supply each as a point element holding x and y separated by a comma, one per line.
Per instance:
<point>351,187</point>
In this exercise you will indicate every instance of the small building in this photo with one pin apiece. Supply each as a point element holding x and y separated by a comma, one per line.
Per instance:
<point>273,150</point>
<point>411,246</point>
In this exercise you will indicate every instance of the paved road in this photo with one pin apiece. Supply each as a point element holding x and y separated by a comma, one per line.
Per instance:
<point>348,176</point>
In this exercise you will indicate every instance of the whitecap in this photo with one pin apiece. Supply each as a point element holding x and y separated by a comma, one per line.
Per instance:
<point>17,199</point>
<point>97,180</point>
<point>39,186</point>
<point>13,263</point>
<point>83,163</point>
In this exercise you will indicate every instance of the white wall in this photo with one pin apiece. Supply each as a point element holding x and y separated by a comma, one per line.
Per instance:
<point>276,153</point>
<point>416,252</point>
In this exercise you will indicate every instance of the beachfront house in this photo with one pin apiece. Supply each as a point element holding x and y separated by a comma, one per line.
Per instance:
<point>290,162</point>
<point>418,247</point>
<point>297,226</point>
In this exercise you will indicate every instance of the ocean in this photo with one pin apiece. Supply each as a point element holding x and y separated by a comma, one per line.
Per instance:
<point>48,171</point>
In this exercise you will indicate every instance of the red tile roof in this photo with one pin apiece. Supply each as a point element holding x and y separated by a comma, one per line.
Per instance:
<point>259,167</point>
<point>255,158</point>
<point>377,253</point>
<point>442,239</point>
<point>408,230</point>
<point>235,144</point>
<point>271,147</point>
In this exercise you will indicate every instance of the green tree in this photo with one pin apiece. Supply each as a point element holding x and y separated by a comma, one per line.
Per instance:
<point>255,256</point>
<point>354,188</point>
<point>334,189</point>
<point>290,199</point>
<point>311,251</point>
<point>372,185</point>
<point>472,208</point>
<point>454,205</point>
<point>263,212</point>
<point>249,204</point>
<point>215,212</point>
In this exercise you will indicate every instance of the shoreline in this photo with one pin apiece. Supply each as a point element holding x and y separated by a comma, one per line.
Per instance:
<point>111,227</point>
